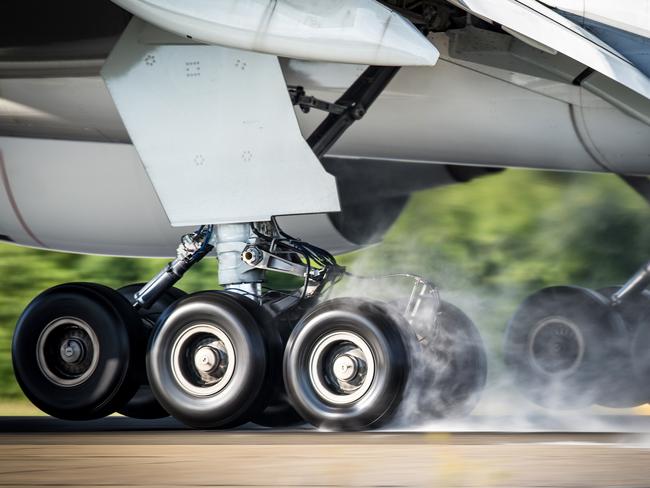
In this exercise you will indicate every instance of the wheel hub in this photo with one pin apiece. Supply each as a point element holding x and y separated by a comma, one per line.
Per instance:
<point>207,359</point>
<point>556,346</point>
<point>341,367</point>
<point>347,367</point>
<point>203,359</point>
<point>72,351</point>
<point>67,351</point>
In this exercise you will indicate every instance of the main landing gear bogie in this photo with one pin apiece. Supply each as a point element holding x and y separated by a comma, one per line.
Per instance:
<point>571,347</point>
<point>218,359</point>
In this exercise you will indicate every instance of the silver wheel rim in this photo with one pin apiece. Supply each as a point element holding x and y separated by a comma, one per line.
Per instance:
<point>67,351</point>
<point>566,331</point>
<point>341,367</point>
<point>203,359</point>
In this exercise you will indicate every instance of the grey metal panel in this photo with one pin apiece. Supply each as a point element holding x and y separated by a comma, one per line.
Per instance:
<point>84,197</point>
<point>216,131</point>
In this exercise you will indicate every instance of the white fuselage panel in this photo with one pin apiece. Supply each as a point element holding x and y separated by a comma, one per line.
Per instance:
<point>88,191</point>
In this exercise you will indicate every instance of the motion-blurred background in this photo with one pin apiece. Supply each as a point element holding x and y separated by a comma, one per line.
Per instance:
<point>487,244</point>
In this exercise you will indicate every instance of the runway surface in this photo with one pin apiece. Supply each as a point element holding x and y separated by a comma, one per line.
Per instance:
<point>121,452</point>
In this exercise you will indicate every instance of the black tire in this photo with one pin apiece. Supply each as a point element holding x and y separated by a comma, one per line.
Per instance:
<point>449,365</point>
<point>556,346</point>
<point>272,408</point>
<point>626,384</point>
<point>641,352</point>
<point>314,396</point>
<point>176,383</point>
<point>278,413</point>
<point>91,315</point>
<point>143,404</point>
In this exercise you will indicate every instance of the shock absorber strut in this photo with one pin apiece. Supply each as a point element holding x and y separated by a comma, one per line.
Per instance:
<point>229,240</point>
<point>234,273</point>
<point>192,249</point>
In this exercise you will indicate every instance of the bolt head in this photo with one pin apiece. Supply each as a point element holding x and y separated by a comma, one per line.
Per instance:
<point>71,351</point>
<point>345,367</point>
<point>207,359</point>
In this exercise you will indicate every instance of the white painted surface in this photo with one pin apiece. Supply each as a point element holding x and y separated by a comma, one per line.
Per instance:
<point>629,15</point>
<point>345,31</point>
<point>456,115</point>
<point>71,107</point>
<point>450,113</point>
<point>540,23</point>
<point>86,197</point>
<point>216,132</point>
<point>572,6</point>
<point>94,197</point>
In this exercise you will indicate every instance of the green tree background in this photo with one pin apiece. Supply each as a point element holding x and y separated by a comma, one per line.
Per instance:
<point>487,244</point>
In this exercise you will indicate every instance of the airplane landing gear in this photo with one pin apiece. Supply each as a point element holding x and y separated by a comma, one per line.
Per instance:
<point>72,351</point>
<point>626,385</point>
<point>208,361</point>
<point>556,344</point>
<point>570,347</point>
<point>218,359</point>
<point>346,364</point>
<point>452,362</point>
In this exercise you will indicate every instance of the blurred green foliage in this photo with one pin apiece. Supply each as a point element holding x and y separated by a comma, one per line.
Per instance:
<point>487,243</point>
<point>491,242</point>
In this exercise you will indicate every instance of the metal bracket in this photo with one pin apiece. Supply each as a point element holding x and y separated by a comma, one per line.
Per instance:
<point>306,103</point>
<point>261,259</point>
<point>357,99</point>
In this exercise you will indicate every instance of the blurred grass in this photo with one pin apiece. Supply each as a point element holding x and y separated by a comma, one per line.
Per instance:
<point>487,243</point>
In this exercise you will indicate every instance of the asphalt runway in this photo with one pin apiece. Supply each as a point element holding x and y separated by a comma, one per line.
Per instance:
<point>40,451</point>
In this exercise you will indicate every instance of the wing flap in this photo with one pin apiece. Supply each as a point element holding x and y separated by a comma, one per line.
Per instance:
<point>533,20</point>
